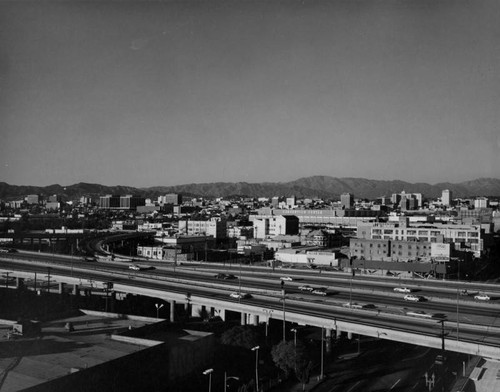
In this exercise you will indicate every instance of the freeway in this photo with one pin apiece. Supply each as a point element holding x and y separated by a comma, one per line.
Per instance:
<point>341,289</point>
<point>388,314</point>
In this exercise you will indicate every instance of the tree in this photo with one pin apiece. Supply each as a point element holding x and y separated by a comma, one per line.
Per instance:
<point>293,358</point>
<point>283,355</point>
<point>241,336</point>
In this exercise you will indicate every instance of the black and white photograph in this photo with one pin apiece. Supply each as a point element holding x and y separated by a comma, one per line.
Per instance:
<point>250,195</point>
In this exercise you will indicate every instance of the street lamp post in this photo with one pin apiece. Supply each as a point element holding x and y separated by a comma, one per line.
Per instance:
<point>268,313</point>
<point>209,372</point>
<point>158,307</point>
<point>256,349</point>
<point>458,319</point>
<point>294,330</point>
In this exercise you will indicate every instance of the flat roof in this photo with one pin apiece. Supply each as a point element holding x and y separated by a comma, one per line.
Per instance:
<point>29,361</point>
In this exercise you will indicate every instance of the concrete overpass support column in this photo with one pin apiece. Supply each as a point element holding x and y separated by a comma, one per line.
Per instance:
<point>222,314</point>
<point>112,301</point>
<point>328,340</point>
<point>349,335</point>
<point>339,333</point>
<point>19,282</point>
<point>61,287</point>
<point>195,310</point>
<point>172,311</point>
<point>76,289</point>
<point>243,318</point>
<point>255,319</point>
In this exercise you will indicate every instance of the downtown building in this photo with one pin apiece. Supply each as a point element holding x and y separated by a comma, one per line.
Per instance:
<point>216,227</point>
<point>466,238</point>
<point>322,217</point>
<point>117,202</point>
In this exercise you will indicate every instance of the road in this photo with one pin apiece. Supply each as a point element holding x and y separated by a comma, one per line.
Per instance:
<point>389,310</point>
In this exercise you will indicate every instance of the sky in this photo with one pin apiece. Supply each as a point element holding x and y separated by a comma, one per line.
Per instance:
<point>150,93</point>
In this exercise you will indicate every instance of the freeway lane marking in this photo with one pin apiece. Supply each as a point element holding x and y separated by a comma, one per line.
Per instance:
<point>416,385</point>
<point>396,383</point>
<point>354,386</point>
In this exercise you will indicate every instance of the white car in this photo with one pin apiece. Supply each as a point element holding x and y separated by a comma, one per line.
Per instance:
<point>288,278</point>
<point>402,289</point>
<point>239,295</point>
<point>482,297</point>
<point>413,298</point>
<point>134,267</point>
<point>306,288</point>
<point>319,292</point>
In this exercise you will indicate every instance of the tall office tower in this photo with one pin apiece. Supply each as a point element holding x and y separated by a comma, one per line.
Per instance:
<point>347,200</point>
<point>446,197</point>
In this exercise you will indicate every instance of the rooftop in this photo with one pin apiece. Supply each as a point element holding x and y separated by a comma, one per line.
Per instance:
<point>27,361</point>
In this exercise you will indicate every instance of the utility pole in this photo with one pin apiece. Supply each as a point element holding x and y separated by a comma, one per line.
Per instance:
<point>322,355</point>
<point>48,279</point>
<point>284,318</point>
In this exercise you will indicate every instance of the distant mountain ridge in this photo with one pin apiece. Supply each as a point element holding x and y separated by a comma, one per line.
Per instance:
<point>315,186</point>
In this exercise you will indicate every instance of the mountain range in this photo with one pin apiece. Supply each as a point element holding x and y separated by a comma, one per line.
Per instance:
<point>316,186</point>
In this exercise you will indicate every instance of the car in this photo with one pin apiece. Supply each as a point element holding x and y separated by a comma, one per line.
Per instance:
<point>134,267</point>
<point>229,276</point>
<point>412,298</point>
<point>220,276</point>
<point>402,289</point>
<point>306,288</point>
<point>319,292</point>
<point>440,360</point>
<point>353,305</point>
<point>288,278</point>
<point>482,297</point>
<point>240,295</point>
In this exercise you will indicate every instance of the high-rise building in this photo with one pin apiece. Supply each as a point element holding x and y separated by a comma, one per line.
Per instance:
<point>347,200</point>
<point>446,197</point>
<point>116,202</point>
<point>32,199</point>
<point>291,202</point>
<point>170,198</point>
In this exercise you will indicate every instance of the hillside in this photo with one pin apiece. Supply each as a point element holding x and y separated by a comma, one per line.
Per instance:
<point>315,186</point>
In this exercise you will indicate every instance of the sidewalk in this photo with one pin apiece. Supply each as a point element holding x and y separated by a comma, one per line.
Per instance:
<point>480,376</point>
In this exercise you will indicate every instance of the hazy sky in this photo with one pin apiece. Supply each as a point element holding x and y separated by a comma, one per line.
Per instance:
<point>145,93</point>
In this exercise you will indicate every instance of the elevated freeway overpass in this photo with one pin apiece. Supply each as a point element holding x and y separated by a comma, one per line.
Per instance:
<point>444,321</point>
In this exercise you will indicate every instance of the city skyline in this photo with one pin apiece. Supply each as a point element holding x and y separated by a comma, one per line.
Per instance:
<point>168,93</point>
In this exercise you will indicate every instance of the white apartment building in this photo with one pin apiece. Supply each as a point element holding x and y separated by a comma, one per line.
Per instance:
<point>481,202</point>
<point>215,227</point>
<point>277,225</point>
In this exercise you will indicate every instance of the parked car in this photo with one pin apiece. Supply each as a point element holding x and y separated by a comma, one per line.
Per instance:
<point>412,298</point>
<point>306,288</point>
<point>482,297</point>
<point>402,289</point>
